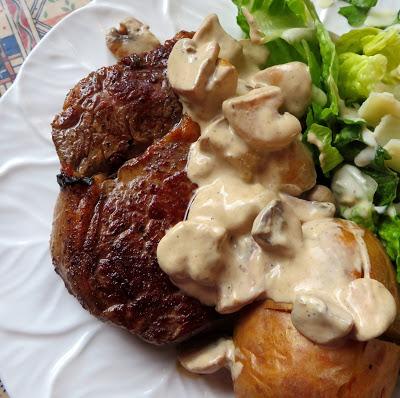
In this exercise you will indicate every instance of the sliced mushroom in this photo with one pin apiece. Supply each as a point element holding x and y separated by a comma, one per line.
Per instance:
<point>211,30</point>
<point>309,210</point>
<point>294,80</point>
<point>255,117</point>
<point>219,138</point>
<point>322,321</point>
<point>363,297</point>
<point>201,79</point>
<point>209,357</point>
<point>132,37</point>
<point>320,193</point>
<point>277,228</point>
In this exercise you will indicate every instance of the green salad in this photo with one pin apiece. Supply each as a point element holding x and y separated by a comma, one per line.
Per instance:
<point>353,123</point>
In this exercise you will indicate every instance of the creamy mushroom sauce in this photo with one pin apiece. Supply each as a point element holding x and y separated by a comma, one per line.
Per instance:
<point>246,235</point>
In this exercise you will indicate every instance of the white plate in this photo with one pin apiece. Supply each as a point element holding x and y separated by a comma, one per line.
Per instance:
<point>50,346</point>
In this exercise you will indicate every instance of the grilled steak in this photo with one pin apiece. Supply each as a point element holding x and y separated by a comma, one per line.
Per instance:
<point>115,113</point>
<point>107,225</point>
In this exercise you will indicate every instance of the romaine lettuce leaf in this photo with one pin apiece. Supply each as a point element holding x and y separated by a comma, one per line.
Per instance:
<point>389,233</point>
<point>321,136</point>
<point>351,41</point>
<point>388,180</point>
<point>355,16</point>
<point>358,74</point>
<point>274,17</point>
<point>363,3</point>
<point>330,68</point>
<point>387,43</point>
<point>348,135</point>
<point>283,24</point>
<point>349,141</point>
<point>357,11</point>
<point>281,52</point>
<point>369,60</point>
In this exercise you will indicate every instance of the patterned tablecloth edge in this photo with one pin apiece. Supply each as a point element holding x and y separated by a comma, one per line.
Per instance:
<point>22,24</point>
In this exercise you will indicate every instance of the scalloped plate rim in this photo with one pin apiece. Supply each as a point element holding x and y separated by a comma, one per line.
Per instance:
<point>77,348</point>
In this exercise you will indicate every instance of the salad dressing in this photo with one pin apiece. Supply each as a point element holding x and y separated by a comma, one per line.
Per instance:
<point>367,155</point>
<point>246,235</point>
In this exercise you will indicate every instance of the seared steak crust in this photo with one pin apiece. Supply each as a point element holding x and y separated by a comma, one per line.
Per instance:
<point>118,198</point>
<point>105,237</point>
<point>115,113</point>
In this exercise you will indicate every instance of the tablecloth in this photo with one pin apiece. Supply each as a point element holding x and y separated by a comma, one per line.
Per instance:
<point>22,24</point>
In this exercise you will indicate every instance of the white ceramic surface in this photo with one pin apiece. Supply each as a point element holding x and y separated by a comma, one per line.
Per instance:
<point>50,346</point>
